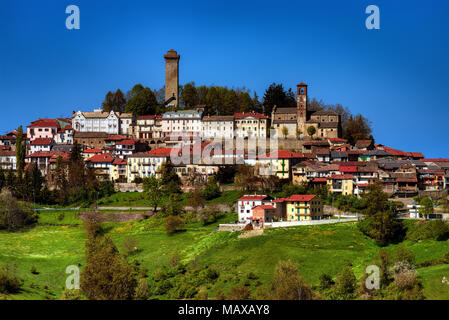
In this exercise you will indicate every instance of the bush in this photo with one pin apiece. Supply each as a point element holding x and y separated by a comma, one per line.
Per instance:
<point>239,293</point>
<point>14,215</point>
<point>429,230</point>
<point>129,246</point>
<point>287,284</point>
<point>173,224</point>
<point>326,282</point>
<point>142,290</point>
<point>345,284</point>
<point>10,282</point>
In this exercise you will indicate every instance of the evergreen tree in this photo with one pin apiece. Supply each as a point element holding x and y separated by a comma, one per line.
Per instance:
<point>20,151</point>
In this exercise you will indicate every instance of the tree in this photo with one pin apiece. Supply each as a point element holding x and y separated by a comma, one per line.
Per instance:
<point>239,293</point>
<point>173,224</point>
<point>20,151</point>
<point>14,215</point>
<point>114,101</point>
<point>212,190</point>
<point>169,179</point>
<point>37,182</point>
<point>153,191</point>
<point>142,290</point>
<point>189,96</point>
<point>345,284</point>
<point>287,284</point>
<point>276,95</point>
<point>357,128</point>
<point>311,131</point>
<point>106,275</point>
<point>142,101</point>
<point>426,206</point>
<point>195,199</point>
<point>374,199</point>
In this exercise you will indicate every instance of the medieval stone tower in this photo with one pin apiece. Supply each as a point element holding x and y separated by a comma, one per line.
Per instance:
<point>301,102</point>
<point>172,78</point>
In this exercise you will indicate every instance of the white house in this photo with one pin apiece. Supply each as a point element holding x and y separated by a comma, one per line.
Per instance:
<point>41,144</point>
<point>251,124</point>
<point>246,204</point>
<point>182,122</point>
<point>64,135</point>
<point>97,121</point>
<point>8,159</point>
<point>217,127</point>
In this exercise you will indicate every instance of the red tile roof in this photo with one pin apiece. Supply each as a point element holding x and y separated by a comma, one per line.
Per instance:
<point>44,123</point>
<point>160,152</point>
<point>254,197</point>
<point>41,142</point>
<point>148,116</point>
<point>115,137</point>
<point>282,154</point>
<point>119,161</point>
<point>101,158</point>
<point>249,114</point>
<point>435,160</point>
<point>127,142</point>
<point>348,169</point>
<point>301,197</point>
<point>265,207</point>
<point>92,151</point>
<point>319,180</point>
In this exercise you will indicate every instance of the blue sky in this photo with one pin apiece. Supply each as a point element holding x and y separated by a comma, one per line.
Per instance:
<point>398,76</point>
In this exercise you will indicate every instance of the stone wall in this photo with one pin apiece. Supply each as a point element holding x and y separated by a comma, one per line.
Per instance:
<point>128,187</point>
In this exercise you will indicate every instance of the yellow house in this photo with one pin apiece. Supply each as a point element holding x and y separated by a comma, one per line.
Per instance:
<point>118,170</point>
<point>341,183</point>
<point>281,162</point>
<point>304,208</point>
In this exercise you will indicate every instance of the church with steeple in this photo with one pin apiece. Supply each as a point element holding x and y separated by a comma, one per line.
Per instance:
<point>292,122</point>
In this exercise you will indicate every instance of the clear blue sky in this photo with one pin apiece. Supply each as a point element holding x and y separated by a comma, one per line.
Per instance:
<point>398,76</point>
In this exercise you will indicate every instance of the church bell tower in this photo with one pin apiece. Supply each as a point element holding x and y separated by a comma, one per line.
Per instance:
<point>301,103</point>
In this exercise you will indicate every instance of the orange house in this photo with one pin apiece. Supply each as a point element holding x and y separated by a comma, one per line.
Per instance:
<point>264,213</point>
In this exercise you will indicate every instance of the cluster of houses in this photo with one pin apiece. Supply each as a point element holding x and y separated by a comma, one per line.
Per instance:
<point>260,209</point>
<point>130,147</point>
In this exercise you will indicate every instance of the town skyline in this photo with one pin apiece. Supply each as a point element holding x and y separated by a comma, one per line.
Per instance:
<point>369,74</point>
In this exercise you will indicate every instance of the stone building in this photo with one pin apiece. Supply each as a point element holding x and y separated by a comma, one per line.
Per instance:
<point>100,121</point>
<point>172,78</point>
<point>327,123</point>
<point>217,127</point>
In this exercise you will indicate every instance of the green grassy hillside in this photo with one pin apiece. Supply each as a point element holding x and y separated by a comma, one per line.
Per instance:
<point>59,241</point>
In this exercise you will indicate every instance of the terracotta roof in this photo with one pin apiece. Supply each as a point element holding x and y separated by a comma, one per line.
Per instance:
<point>42,142</point>
<point>435,160</point>
<point>115,137</point>
<point>7,153</point>
<point>160,152</point>
<point>265,207</point>
<point>102,158</point>
<point>148,116</point>
<point>127,142</point>
<point>119,161</point>
<point>255,197</point>
<point>319,180</point>
<point>218,118</point>
<point>348,169</point>
<point>249,114</point>
<point>44,123</point>
<point>301,197</point>
<point>282,154</point>
<point>92,151</point>
<point>337,140</point>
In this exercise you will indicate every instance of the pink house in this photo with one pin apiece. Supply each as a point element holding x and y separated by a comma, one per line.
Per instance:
<point>42,128</point>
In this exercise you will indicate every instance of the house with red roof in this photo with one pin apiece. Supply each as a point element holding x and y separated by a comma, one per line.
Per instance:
<point>251,125</point>
<point>43,128</point>
<point>303,207</point>
<point>341,183</point>
<point>64,135</point>
<point>101,163</point>
<point>118,170</point>
<point>41,144</point>
<point>126,147</point>
<point>246,203</point>
<point>279,163</point>
<point>264,213</point>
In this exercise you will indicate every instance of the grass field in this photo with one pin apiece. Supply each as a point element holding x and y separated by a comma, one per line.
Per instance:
<point>56,243</point>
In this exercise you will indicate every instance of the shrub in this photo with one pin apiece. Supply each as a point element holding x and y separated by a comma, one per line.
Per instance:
<point>173,224</point>
<point>345,283</point>
<point>68,294</point>
<point>10,282</point>
<point>326,282</point>
<point>129,246</point>
<point>239,293</point>
<point>405,280</point>
<point>287,284</point>
<point>429,230</point>
<point>14,215</point>
<point>142,290</point>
